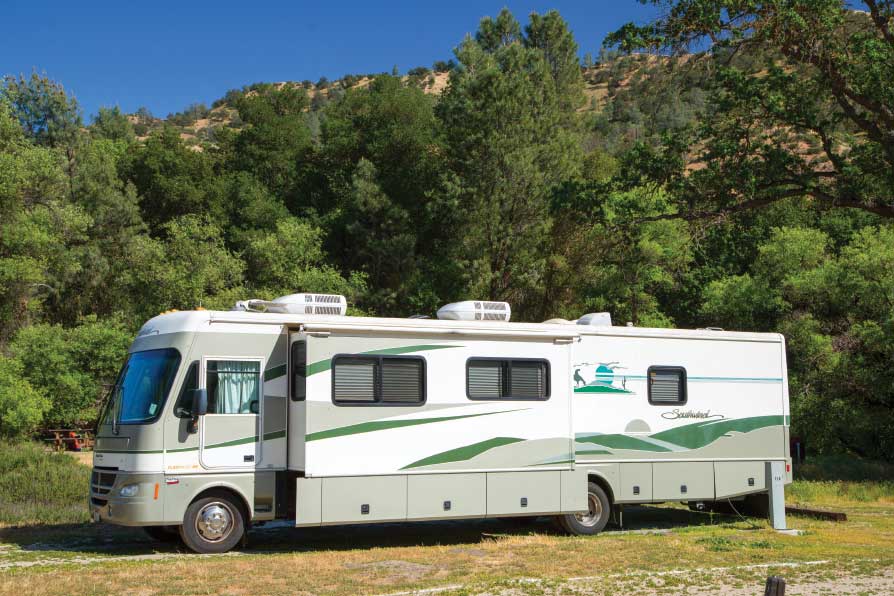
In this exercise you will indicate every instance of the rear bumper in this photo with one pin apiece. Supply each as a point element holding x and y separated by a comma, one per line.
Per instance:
<point>146,508</point>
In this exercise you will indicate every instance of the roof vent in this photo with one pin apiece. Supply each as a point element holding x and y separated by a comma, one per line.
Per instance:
<point>299,304</point>
<point>596,319</point>
<point>475,310</point>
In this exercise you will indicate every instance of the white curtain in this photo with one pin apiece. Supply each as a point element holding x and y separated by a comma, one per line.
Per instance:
<point>237,386</point>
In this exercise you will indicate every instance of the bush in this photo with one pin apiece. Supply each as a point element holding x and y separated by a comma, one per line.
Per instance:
<point>40,486</point>
<point>22,407</point>
<point>70,366</point>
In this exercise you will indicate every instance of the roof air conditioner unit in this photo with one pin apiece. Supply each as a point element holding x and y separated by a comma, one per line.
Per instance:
<point>596,319</point>
<point>475,310</point>
<point>299,304</point>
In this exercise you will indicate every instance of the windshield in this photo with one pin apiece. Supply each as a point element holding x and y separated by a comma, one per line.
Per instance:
<point>142,386</point>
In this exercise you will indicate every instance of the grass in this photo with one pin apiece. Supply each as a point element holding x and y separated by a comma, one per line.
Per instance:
<point>38,486</point>
<point>832,480</point>
<point>670,550</point>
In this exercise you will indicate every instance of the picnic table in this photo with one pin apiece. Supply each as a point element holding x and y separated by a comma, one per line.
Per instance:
<point>70,439</point>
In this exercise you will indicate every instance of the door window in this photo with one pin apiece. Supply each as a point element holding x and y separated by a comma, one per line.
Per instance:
<point>234,386</point>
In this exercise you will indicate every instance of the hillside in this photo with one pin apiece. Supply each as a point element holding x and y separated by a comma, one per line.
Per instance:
<point>603,83</point>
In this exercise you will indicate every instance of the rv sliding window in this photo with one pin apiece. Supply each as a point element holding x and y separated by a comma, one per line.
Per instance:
<point>507,379</point>
<point>378,380</point>
<point>298,362</point>
<point>667,385</point>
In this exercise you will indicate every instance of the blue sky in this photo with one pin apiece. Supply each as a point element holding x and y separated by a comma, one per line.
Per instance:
<point>166,55</point>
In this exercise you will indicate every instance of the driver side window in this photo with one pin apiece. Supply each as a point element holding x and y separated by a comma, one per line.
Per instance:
<point>183,407</point>
<point>234,386</point>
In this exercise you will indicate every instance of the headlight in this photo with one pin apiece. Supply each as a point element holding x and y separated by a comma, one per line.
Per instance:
<point>130,490</point>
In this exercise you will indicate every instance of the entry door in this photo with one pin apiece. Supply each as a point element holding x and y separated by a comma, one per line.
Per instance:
<point>232,430</point>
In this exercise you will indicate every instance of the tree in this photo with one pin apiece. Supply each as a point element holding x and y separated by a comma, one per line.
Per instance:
<point>835,308</point>
<point>549,33</point>
<point>112,124</point>
<point>190,267</point>
<point>171,179</point>
<point>291,259</point>
<point>46,113</point>
<point>112,221</point>
<point>275,137</point>
<point>36,224</point>
<point>827,79</point>
<point>508,145</point>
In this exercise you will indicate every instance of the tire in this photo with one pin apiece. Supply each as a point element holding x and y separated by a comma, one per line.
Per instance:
<point>213,524</point>
<point>162,533</point>
<point>593,522</point>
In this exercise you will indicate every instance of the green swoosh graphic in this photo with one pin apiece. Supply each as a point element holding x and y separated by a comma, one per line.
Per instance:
<point>601,389</point>
<point>619,441</point>
<point>700,434</point>
<point>463,453</point>
<point>368,427</point>
<point>324,365</point>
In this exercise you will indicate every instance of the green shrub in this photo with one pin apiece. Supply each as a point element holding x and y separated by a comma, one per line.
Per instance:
<point>70,366</point>
<point>22,407</point>
<point>38,486</point>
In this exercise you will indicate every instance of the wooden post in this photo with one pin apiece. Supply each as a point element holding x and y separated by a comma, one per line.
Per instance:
<point>775,586</point>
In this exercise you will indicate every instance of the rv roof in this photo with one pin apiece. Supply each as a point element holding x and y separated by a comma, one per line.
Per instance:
<point>207,321</point>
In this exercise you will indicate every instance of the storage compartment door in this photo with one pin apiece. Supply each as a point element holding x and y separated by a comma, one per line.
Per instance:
<point>432,496</point>
<point>364,499</point>
<point>523,493</point>
<point>683,481</point>
<point>636,483</point>
<point>734,478</point>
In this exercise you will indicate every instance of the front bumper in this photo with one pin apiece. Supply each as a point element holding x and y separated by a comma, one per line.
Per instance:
<point>146,508</point>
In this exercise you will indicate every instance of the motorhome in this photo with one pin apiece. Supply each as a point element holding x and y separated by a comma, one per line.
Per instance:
<point>289,409</point>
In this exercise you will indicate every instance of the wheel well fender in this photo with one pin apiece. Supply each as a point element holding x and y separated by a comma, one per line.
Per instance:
<point>223,488</point>
<point>604,484</point>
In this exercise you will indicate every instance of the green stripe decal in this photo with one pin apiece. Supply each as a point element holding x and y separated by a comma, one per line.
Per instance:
<point>276,434</point>
<point>463,453</point>
<point>376,425</point>
<point>700,434</point>
<point>324,365</point>
<point>275,372</point>
<point>601,389</point>
<point>618,441</point>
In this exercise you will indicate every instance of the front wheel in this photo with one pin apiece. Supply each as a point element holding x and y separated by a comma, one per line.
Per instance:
<point>213,524</point>
<point>599,511</point>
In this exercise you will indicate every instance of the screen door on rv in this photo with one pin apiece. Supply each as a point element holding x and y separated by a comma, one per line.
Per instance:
<point>231,433</point>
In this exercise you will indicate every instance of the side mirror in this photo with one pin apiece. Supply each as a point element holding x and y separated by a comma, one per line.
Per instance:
<point>254,407</point>
<point>199,402</point>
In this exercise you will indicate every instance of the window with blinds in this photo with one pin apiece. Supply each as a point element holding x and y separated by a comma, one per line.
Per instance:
<point>378,380</point>
<point>495,378</point>
<point>667,385</point>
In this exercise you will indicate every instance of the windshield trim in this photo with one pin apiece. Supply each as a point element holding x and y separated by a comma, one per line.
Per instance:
<point>162,404</point>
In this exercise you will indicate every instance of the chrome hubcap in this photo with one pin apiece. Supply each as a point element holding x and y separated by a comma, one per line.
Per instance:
<point>214,522</point>
<point>594,513</point>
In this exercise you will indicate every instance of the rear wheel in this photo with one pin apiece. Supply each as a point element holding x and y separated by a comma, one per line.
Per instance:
<point>213,524</point>
<point>162,533</point>
<point>598,513</point>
